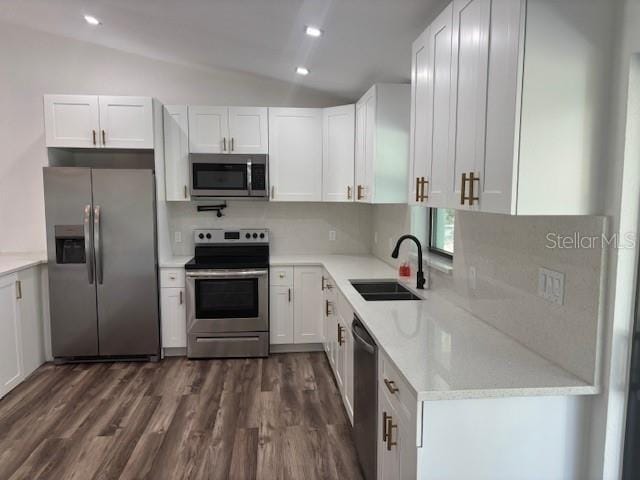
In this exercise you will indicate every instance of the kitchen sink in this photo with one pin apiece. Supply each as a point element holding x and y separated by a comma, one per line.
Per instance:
<point>376,290</point>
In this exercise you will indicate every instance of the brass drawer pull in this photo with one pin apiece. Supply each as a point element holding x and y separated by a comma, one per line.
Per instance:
<point>360,195</point>
<point>390,426</point>
<point>94,136</point>
<point>340,338</point>
<point>289,295</point>
<point>391,385</point>
<point>472,197</point>
<point>104,138</point>
<point>417,189</point>
<point>186,192</point>
<point>232,144</point>
<point>18,290</point>
<point>423,182</point>
<point>181,297</point>
<point>349,192</point>
<point>326,308</point>
<point>323,280</point>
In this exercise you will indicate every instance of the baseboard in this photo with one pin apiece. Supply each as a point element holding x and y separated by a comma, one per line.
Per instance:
<point>296,347</point>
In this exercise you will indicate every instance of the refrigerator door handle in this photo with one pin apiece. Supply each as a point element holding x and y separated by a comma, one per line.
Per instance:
<point>97,243</point>
<point>87,243</point>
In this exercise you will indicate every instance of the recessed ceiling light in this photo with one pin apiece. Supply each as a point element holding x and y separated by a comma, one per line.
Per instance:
<point>302,71</point>
<point>91,20</point>
<point>313,31</point>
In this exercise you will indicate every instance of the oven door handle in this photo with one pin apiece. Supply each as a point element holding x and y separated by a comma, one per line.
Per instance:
<point>249,185</point>
<point>225,274</point>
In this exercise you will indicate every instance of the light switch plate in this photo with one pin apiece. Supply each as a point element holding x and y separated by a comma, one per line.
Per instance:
<point>332,235</point>
<point>551,285</point>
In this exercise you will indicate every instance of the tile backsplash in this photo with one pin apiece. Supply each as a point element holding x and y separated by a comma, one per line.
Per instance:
<point>496,272</point>
<point>296,228</point>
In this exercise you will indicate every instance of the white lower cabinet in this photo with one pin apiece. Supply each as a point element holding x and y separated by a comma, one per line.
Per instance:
<point>174,322</point>
<point>21,327</point>
<point>173,308</point>
<point>296,305</point>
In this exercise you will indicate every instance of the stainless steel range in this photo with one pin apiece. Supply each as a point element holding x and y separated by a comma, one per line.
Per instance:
<point>228,294</point>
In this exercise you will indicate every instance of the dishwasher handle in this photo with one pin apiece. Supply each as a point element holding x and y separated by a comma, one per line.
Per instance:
<point>355,328</point>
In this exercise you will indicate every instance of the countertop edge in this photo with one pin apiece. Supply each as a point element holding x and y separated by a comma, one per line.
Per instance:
<point>21,264</point>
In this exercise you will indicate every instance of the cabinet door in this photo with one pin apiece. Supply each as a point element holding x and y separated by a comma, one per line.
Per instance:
<point>470,52</point>
<point>307,301</point>
<point>388,455</point>
<point>11,370</point>
<point>71,121</point>
<point>31,322</point>
<point>439,159</point>
<point>126,122</point>
<point>421,116</point>
<point>360,157</point>
<point>295,154</point>
<point>208,129</point>
<point>338,153</point>
<point>176,153</point>
<point>174,319</point>
<point>340,352</point>
<point>248,130</point>
<point>281,317</point>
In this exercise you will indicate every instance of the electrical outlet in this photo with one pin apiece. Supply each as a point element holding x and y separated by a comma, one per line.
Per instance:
<point>332,235</point>
<point>177,236</point>
<point>472,278</point>
<point>551,286</point>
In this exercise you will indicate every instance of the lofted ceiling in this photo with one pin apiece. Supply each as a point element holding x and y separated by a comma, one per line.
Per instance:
<point>364,41</point>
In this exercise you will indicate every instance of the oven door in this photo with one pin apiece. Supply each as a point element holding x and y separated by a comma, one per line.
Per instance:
<point>227,300</point>
<point>220,176</point>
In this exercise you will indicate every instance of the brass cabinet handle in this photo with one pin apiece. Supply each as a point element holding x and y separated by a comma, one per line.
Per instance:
<point>340,338</point>
<point>326,308</point>
<point>390,426</point>
<point>224,144</point>
<point>273,191</point>
<point>185,192</point>
<point>180,297</point>
<point>391,385</point>
<point>463,189</point>
<point>289,295</point>
<point>232,144</point>
<point>104,138</point>
<point>385,419</point>
<point>359,195</point>
<point>472,197</point>
<point>417,189</point>
<point>323,280</point>
<point>94,136</point>
<point>349,192</point>
<point>18,290</point>
<point>423,182</point>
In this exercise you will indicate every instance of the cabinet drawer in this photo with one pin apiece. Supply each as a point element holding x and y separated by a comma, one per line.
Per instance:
<point>172,277</point>
<point>281,276</point>
<point>402,399</point>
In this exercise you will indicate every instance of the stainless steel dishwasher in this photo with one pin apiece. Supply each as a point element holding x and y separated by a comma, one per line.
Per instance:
<point>365,404</point>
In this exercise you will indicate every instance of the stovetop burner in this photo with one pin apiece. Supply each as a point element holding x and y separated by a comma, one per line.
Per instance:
<point>230,249</point>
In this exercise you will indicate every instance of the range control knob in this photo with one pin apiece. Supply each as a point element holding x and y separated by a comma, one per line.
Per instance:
<point>201,236</point>
<point>262,235</point>
<point>248,235</point>
<point>255,235</point>
<point>208,236</point>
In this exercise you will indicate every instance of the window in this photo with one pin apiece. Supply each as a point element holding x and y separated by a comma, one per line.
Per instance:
<point>441,234</point>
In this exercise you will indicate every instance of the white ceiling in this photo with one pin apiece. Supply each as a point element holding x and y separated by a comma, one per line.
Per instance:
<point>365,41</point>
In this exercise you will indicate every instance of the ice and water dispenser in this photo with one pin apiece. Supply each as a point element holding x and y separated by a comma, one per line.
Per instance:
<point>70,244</point>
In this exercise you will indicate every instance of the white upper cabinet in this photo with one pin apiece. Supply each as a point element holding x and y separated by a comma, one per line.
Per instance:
<point>85,121</point>
<point>71,121</point>
<point>248,130</point>
<point>430,180</point>
<point>295,154</point>
<point>208,129</point>
<point>382,144</point>
<point>338,153</point>
<point>176,153</point>
<point>228,130</point>
<point>126,122</point>
<point>525,132</point>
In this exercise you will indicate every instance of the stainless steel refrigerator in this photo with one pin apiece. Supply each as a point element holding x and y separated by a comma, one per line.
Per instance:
<point>103,281</point>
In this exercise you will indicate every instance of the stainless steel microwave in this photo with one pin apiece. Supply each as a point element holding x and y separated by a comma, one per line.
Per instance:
<point>229,176</point>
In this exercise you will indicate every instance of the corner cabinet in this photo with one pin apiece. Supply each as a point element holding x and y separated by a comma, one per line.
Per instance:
<point>90,121</point>
<point>233,130</point>
<point>382,144</point>
<point>523,134</point>
<point>176,153</point>
<point>295,154</point>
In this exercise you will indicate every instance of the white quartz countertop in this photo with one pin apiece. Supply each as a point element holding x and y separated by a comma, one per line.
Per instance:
<point>14,262</point>
<point>442,351</point>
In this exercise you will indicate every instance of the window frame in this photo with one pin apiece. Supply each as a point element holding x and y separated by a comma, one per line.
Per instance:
<point>432,248</point>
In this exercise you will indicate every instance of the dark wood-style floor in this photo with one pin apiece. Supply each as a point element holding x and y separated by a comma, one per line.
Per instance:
<point>274,418</point>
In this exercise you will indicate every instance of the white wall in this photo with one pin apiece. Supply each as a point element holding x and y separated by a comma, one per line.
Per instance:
<point>296,228</point>
<point>33,63</point>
